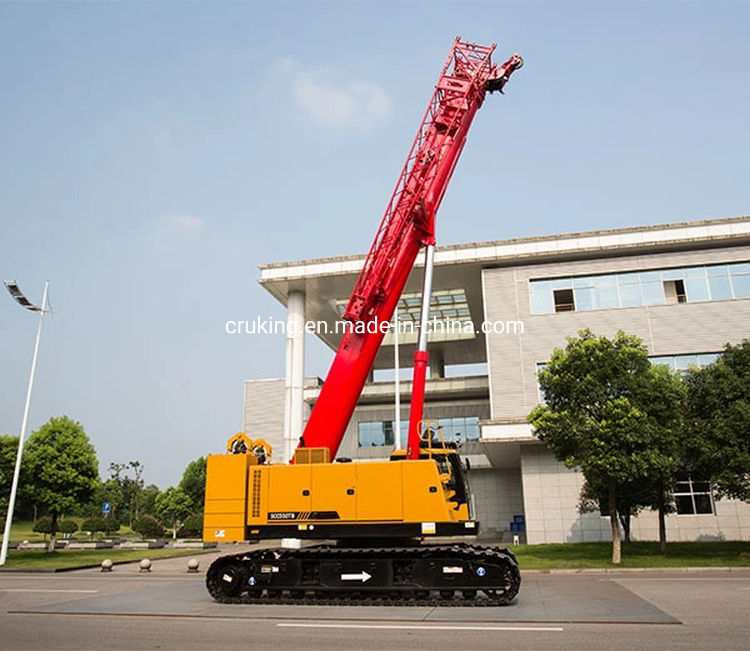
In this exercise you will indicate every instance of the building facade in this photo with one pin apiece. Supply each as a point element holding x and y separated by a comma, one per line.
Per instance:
<point>498,311</point>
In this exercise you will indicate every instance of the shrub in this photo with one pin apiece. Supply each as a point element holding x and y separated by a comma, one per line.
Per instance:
<point>67,527</point>
<point>92,525</point>
<point>43,525</point>
<point>110,525</point>
<point>192,527</point>
<point>148,526</point>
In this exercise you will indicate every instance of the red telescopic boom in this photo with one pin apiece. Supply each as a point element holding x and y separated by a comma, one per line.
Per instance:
<point>408,224</point>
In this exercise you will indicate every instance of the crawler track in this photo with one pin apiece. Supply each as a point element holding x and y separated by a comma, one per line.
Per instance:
<point>422,575</point>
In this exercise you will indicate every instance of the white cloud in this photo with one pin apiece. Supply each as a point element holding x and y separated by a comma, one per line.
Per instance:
<point>183,223</point>
<point>356,105</point>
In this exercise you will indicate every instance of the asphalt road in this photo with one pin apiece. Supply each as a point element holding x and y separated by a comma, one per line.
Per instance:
<point>169,609</point>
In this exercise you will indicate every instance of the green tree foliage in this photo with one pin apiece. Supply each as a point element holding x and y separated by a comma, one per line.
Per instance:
<point>8,451</point>
<point>172,506</point>
<point>610,413</point>
<point>148,499</point>
<point>718,419</point>
<point>193,526</point>
<point>193,482</point>
<point>93,525</point>
<point>123,491</point>
<point>60,468</point>
<point>43,525</point>
<point>148,527</point>
<point>111,525</point>
<point>67,526</point>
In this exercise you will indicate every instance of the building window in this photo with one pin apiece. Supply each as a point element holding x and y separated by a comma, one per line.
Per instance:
<point>693,497</point>
<point>382,432</point>
<point>720,282</point>
<point>683,363</point>
<point>674,291</point>
<point>564,300</point>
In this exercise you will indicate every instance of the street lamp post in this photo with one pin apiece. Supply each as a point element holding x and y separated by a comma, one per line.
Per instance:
<point>18,295</point>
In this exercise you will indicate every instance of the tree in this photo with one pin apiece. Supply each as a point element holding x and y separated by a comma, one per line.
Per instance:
<point>8,451</point>
<point>718,420</point>
<point>60,468</point>
<point>110,525</point>
<point>193,525</point>
<point>172,505</point>
<point>193,482</point>
<point>67,527</point>
<point>122,491</point>
<point>43,525</point>
<point>148,499</point>
<point>148,526</point>
<point>93,525</point>
<point>609,412</point>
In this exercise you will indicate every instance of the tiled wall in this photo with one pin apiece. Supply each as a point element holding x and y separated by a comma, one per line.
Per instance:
<point>551,493</point>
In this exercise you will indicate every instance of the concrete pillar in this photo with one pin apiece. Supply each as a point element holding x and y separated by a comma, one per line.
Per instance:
<point>437,363</point>
<point>295,372</point>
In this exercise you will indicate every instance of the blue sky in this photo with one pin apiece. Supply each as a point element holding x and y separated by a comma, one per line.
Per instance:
<point>153,154</point>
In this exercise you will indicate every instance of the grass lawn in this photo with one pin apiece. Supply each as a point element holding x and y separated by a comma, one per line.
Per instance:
<point>635,554</point>
<point>34,559</point>
<point>23,530</point>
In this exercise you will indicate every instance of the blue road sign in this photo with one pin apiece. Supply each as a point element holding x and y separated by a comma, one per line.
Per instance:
<point>106,508</point>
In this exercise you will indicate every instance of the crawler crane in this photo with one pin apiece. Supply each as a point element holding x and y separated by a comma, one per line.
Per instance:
<point>376,515</point>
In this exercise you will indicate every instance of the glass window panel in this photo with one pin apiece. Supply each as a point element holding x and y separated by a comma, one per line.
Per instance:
<point>388,436</point>
<point>684,504</point>
<point>464,311</point>
<point>605,281</point>
<point>364,433</point>
<point>684,362</point>
<point>695,272</point>
<point>703,504</point>
<point>542,303</point>
<point>740,268</point>
<point>586,281</point>
<point>701,487</point>
<point>672,274</point>
<point>630,295</point>
<point>741,286</point>
<point>664,359</point>
<point>682,487</point>
<point>628,279</point>
<point>539,285</point>
<point>650,276</point>
<point>653,293</point>
<point>442,300</point>
<point>606,297</point>
<point>472,430</point>
<point>720,288</point>
<point>696,289</point>
<point>562,283</point>
<point>717,270</point>
<point>706,359</point>
<point>584,299</point>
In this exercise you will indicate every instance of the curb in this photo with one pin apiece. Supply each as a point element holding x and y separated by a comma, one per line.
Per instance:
<point>638,570</point>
